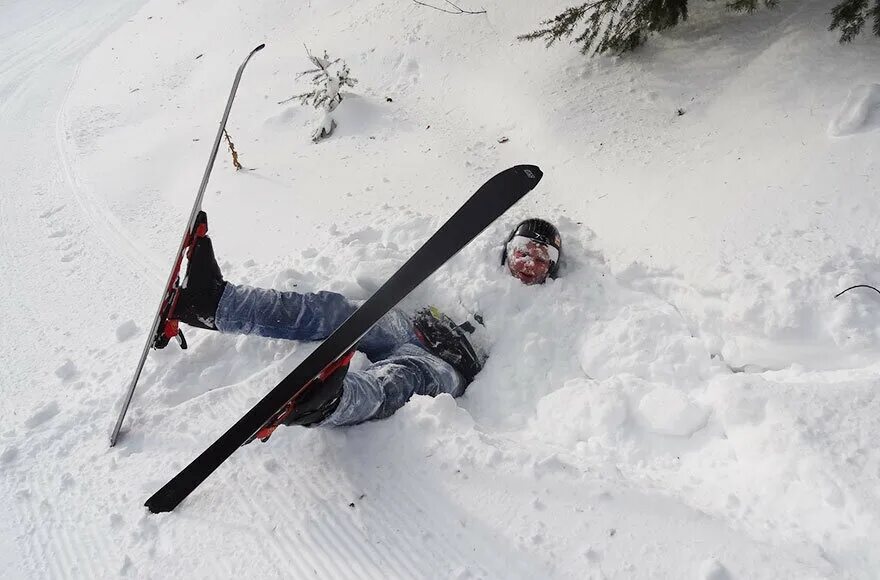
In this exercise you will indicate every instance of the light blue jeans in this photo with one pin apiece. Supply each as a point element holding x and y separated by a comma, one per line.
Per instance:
<point>400,366</point>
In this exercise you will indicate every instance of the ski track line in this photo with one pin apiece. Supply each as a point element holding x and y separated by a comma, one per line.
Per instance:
<point>314,490</point>
<point>305,564</point>
<point>397,515</point>
<point>45,29</point>
<point>34,535</point>
<point>40,542</point>
<point>278,554</point>
<point>334,528</point>
<point>393,515</point>
<point>229,406</point>
<point>405,566</point>
<point>233,404</point>
<point>320,539</point>
<point>283,552</point>
<point>257,508</point>
<point>328,529</point>
<point>97,214</point>
<point>444,545</point>
<point>77,551</point>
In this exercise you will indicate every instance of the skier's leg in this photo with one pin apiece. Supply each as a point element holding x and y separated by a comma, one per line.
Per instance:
<point>274,314</point>
<point>208,301</point>
<point>381,389</point>
<point>305,316</point>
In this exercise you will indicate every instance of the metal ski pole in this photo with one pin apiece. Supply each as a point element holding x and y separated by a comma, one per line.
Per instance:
<point>187,236</point>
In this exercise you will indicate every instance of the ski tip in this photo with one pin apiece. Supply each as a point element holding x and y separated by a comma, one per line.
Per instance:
<point>261,47</point>
<point>532,172</point>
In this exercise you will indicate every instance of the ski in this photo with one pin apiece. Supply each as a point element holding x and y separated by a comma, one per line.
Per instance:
<point>165,326</point>
<point>490,201</point>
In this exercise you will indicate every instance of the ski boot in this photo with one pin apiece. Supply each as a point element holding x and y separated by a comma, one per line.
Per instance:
<point>321,397</point>
<point>447,340</point>
<point>202,287</point>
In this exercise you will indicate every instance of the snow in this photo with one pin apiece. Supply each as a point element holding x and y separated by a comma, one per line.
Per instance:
<point>687,400</point>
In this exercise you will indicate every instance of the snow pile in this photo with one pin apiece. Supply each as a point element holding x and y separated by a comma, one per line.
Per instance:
<point>687,400</point>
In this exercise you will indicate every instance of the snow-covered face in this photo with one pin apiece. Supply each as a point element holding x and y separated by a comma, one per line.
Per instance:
<point>530,261</point>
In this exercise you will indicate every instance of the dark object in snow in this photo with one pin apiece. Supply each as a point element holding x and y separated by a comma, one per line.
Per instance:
<point>679,112</point>
<point>165,323</point>
<point>494,198</point>
<point>389,100</point>
<point>235,162</point>
<point>447,340</point>
<point>856,286</point>
<point>456,9</point>
<point>198,57</point>
<point>503,139</point>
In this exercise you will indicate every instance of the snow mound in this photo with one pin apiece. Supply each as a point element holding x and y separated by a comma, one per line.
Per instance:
<point>582,411</point>
<point>668,411</point>
<point>126,330</point>
<point>859,113</point>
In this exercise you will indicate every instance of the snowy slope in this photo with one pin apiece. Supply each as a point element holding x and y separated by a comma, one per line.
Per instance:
<point>686,401</point>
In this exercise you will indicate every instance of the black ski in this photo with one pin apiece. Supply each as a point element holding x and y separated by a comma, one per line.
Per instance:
<point>489,202</point>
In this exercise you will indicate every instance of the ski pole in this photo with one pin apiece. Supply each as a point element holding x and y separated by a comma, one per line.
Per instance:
<point>175,270</point>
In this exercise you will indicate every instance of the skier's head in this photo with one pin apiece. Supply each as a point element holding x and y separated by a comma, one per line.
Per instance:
<point>532,251</point>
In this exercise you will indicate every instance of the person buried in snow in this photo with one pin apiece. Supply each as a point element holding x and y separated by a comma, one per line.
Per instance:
<point>424,353</point>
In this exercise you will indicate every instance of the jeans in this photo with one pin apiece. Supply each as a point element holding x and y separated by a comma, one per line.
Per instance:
<point>400,366</point>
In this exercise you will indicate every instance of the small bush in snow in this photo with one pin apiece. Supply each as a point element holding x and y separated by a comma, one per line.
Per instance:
<point>328,79</point>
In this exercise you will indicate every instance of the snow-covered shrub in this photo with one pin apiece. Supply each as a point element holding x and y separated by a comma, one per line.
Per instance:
<point>328,78</point>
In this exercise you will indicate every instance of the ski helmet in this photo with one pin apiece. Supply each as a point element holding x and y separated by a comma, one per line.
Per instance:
<point>542,232</point>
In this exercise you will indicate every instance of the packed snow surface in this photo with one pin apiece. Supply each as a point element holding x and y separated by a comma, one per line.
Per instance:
<point>687,400</point>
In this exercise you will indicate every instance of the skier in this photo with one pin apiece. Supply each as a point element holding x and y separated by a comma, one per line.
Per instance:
<point>425,354</point>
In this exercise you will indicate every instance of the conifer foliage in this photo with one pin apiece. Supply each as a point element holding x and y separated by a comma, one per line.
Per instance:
<point>618,26</point>
<point>849,16</point>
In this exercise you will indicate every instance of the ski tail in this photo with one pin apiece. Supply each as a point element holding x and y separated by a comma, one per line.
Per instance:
<point>490,201</point>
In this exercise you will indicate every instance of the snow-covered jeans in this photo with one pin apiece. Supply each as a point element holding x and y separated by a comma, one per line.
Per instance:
<point>400,366</point>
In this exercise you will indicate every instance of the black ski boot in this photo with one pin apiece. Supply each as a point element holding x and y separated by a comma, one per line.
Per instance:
<point>202,287</point>
<point>321,398</point>
<point>320,401</point>
<point>443,338</point>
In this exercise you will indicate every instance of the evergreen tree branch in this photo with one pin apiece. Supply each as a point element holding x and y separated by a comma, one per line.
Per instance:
<point>849,16</point>
<point>619,26</point>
